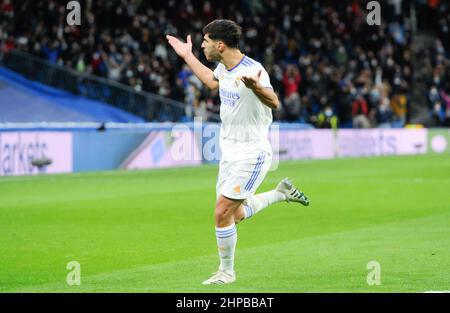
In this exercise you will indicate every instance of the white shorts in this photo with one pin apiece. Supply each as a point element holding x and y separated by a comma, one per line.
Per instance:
<point>240,179</point>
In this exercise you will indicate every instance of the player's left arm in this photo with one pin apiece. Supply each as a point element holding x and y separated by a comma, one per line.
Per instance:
<point>265,94</point>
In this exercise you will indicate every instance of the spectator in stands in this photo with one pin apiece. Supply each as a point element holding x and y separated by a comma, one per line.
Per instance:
<point>291,82</point>
<point>384,113</point>
<point>327,119</point>
<point>433,96</point>
<point>360,112</point>
<point>438,114</point>
<point>344,107</point>
<point>446,99</point>
<point>399,108</point>
<point>447,118</point>
<point>184,75</point>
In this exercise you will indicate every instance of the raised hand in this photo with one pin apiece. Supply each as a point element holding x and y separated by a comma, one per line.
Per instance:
<point>251,82</point>
<point>183,49</point>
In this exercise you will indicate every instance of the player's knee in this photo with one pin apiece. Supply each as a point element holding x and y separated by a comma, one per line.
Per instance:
<point>222,214</point>
<point>225,211</point>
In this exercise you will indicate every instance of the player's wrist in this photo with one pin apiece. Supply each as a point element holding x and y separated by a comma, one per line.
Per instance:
<point>256,87</point>
<point>188,56</point>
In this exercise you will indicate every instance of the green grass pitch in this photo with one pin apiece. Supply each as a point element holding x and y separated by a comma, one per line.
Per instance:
<point>153,231</point>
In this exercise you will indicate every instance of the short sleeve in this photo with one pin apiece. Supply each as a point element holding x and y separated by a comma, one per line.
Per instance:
<point>264,80</point>
<point>218,71</point>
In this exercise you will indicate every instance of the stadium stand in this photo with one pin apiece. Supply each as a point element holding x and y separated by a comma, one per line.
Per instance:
<point>329,66</point>
<point>25,101</point>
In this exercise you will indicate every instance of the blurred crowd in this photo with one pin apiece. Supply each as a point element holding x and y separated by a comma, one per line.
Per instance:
<point>435,71</point>
<point>328,66</point>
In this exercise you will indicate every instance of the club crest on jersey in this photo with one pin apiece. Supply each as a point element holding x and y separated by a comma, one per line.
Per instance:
<point>237,81</point>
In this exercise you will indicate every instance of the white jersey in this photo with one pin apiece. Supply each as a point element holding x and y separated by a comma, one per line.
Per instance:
<point>245,119</point>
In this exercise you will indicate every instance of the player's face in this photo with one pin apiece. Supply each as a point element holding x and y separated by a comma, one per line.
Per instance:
<point>209,47</point>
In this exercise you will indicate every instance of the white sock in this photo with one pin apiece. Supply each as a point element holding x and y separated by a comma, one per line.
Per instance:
<point>256,203</point>
<point>226,242</point>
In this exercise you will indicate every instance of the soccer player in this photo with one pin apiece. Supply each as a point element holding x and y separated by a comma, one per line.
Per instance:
<point>247,99</point>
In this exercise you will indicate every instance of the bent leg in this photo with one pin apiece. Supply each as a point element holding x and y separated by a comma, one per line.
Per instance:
<point>255,203</point>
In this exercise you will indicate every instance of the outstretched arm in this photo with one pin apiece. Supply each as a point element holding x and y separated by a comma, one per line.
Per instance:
<point>184,50</point>
<point>266,95</point>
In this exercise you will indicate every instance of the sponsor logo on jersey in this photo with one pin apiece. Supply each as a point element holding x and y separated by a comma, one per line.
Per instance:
<point>228,98</point>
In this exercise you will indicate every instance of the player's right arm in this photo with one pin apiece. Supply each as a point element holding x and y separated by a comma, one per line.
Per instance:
<point>184,50</point>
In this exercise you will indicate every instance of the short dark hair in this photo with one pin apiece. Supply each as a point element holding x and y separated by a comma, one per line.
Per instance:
<point>225,30</point>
